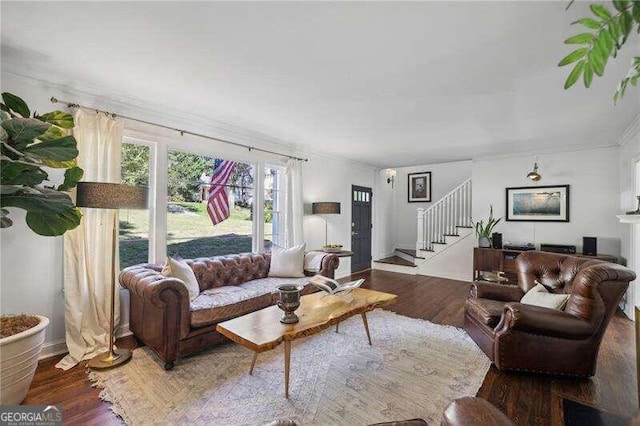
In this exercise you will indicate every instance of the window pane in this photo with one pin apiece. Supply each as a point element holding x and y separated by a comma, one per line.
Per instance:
<point>134,224</point>
<point>196,202</point>
<point>273,207</point>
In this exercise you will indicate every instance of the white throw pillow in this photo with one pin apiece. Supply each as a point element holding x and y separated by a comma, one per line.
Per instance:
<point>177,268</point>
<point>540,296</point>
<point>288,263</point>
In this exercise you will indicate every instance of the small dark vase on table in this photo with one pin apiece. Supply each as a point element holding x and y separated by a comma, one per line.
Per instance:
<point>289,302</point>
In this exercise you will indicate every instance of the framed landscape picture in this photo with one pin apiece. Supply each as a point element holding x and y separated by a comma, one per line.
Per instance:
<point>538,204</point>
<point>419,187</point>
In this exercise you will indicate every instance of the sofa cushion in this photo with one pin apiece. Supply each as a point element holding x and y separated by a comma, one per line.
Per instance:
<point>178,268</point>
<point>540,296</point>
<point>287,262</point>
<point>486,311</point>
<point>222,303</point>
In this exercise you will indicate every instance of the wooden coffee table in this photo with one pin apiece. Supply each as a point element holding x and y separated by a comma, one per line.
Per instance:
<point>262,330</point>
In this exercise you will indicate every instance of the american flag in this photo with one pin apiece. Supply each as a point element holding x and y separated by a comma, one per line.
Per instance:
<point>218,203</point>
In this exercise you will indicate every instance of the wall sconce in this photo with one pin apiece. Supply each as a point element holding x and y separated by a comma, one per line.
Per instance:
<point>534,175</point>
<point>391,176</point>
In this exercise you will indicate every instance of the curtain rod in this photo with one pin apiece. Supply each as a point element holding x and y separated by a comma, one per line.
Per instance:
<point>182,132</point>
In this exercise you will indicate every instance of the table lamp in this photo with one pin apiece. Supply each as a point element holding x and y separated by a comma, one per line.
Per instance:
<point>100,195</point>
<point>325,208</point>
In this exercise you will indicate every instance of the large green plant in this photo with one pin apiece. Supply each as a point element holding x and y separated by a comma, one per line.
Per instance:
<point>606,33</point>
<point>483,230</point>
<point>29,143</point>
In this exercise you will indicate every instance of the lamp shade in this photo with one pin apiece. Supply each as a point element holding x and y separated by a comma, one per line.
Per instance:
<point>325,208</point>
<point>103,195</point>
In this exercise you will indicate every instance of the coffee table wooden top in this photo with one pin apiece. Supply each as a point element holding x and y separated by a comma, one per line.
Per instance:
<point>262,330</point>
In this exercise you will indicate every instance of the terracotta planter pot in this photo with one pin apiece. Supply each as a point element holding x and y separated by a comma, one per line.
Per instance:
<point>18,362</point>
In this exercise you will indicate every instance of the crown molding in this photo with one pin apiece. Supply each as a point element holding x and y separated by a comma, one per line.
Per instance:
<point>126,105</point>
<point>574,148</point>
<point>632,130</point>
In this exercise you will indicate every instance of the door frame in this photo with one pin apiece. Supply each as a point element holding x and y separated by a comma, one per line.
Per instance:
<point>352,222</point>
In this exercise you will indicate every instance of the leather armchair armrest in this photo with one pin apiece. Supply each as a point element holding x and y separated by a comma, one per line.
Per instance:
<point>544,322</point>
<point>329,265</point>
<point>504,293</point>
<point>146,282</point>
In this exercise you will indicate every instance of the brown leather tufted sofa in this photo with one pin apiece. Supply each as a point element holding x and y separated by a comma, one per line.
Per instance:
<point>163,317</point>
<point>530,338</point>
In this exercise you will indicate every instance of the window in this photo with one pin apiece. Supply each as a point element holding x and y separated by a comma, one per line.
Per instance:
<point>134,224</point>
<point>274,206</point>
<point>205,220</point>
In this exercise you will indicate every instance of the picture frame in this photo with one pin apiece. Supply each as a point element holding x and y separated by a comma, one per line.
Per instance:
<point>419,187</point>
<point>549,203</point>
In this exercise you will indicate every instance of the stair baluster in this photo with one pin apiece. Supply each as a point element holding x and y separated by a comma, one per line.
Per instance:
<point>444,217</point>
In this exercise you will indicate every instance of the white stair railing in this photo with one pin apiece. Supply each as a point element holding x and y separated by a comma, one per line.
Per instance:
<point>442,217</point>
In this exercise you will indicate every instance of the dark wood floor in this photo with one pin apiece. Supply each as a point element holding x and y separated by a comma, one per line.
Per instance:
<point>526,399</point>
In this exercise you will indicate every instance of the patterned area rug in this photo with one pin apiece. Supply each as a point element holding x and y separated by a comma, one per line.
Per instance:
<point>413,370</point>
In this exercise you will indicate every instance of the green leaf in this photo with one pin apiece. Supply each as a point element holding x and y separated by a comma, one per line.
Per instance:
<point>608,42</point>
<point>635,12</point>
<point>62,149</point>
<point>53,132</point>
<point>574,75</point>
<point>16,104</point>
<point>594,59</point>
<point>573,56</point>
<point>589,23</point>
<point>600,11</point>
<point>615,31</point>
<point>58,118</point>
<point>626,24</point>
<point>602,49</point>
<point>588,75</point>
<point>55,164</point>
<point>583,38</point>
<point>620,5</point>
<point>20,173</point>
<point>22,131</point>
<point>71,177</point>
<point>49,212</point>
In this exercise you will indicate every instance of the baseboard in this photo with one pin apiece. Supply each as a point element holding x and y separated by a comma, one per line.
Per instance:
<point>59,347</point>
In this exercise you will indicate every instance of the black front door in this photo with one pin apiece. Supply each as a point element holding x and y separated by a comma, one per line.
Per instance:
<point>360,228</point>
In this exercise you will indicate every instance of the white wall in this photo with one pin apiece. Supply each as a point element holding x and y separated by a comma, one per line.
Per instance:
<point>594,200</point>
<point>628,156</point>
<point>444,178</point>
<point>331,180</point>
<point>31,274</point>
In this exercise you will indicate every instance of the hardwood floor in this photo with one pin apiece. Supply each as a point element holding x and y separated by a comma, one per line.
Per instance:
<point>526,399</point>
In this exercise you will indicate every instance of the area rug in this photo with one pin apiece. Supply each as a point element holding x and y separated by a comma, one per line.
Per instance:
<point>413,370</point>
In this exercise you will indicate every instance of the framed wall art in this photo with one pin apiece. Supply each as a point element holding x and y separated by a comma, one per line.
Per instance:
<point>419,187</point>
<point>538,204</point>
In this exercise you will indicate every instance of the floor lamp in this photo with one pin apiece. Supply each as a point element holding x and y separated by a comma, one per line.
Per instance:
<point>323,208</point>
<point>99,195</point>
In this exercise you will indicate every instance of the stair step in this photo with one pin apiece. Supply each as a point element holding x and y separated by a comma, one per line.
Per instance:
<point>464,226</point>
<point>438,242</point>
<point>409,252</point>
<point>451,235</point>
<point>396,260</point>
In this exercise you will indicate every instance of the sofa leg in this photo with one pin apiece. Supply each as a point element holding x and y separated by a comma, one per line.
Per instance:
<point>169,365</point>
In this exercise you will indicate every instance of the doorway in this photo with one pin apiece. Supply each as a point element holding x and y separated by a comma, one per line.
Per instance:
<point>361,228</point>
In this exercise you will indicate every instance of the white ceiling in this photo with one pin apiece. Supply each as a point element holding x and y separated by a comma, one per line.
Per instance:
<point>388,84</point>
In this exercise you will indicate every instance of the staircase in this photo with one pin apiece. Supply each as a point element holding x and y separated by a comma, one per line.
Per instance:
<point>444,243</point>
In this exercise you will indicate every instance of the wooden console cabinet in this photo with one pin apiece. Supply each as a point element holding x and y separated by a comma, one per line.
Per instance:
<point>503,260</point>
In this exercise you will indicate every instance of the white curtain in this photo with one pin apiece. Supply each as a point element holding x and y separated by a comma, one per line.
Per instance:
<point>295,207</point>
<point>88,248</point>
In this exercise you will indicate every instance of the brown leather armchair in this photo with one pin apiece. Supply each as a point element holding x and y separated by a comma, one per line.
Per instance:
<point>530,338</point>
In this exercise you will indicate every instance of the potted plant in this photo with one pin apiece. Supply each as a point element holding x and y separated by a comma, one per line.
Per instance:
<point>483,232</point>
<point>29,143</point>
